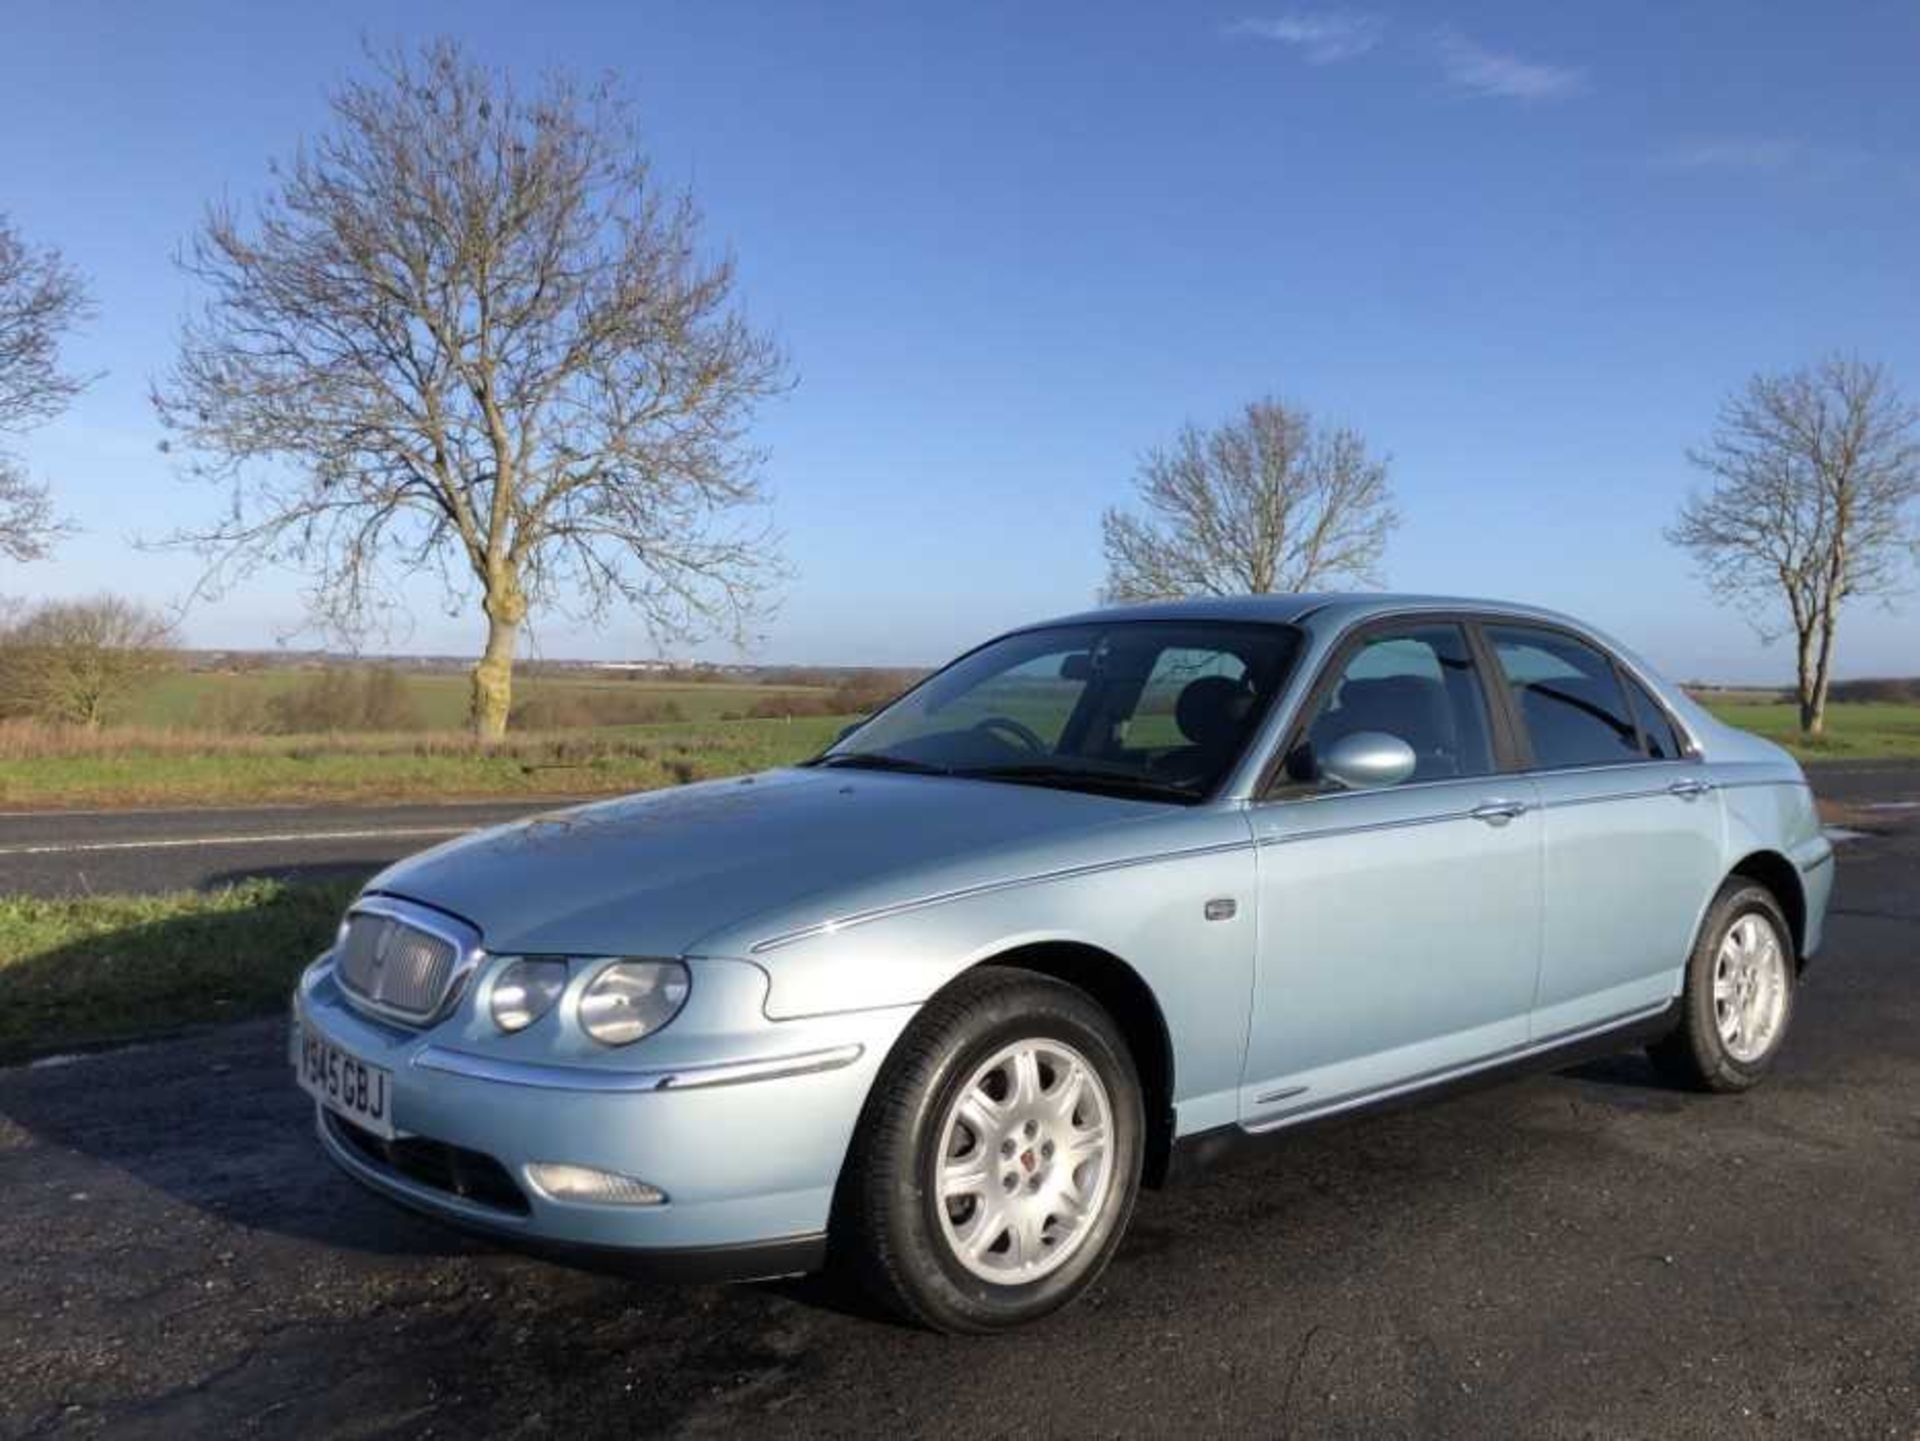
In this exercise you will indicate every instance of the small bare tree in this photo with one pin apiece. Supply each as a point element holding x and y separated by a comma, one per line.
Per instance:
<point>1269,501</point>
<point>41,298</point>
<point>1815,474</point>
<point>467,332</point>
<point>77,662</point>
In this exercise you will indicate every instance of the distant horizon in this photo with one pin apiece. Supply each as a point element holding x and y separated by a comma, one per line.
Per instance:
<point>454,660</point>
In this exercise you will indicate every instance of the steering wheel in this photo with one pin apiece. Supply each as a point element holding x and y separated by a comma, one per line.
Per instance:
<point>1027,738</point>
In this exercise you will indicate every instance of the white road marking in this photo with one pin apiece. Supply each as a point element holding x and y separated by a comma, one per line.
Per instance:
<point>182,842</point>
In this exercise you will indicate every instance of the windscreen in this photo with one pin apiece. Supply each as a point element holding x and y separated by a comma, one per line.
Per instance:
<point>1161,709</point>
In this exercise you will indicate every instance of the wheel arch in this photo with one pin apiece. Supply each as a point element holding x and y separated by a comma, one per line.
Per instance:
<point>1782,879</point>
<point>1124,994</point>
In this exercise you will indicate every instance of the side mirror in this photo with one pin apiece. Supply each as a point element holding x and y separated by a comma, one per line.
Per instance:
<point>1367,760</point>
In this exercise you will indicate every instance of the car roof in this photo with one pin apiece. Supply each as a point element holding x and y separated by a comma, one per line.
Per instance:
<point>1328,607</point>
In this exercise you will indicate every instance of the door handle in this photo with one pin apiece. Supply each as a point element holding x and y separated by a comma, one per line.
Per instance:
<point>1689,790</point>
<point>1498,813</point>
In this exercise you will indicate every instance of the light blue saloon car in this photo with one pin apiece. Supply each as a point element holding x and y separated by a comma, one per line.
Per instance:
<point>1094,901</point>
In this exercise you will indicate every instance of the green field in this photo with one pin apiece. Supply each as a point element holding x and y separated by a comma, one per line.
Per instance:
<point>127,769</point>
<point>1857,730</point>
<point>185,699</point>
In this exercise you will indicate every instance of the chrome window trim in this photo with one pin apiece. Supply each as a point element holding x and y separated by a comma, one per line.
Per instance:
<point>1304,685</point>
<point>1257,764</point>
<point>1651,793</point>
<point>1620,663</point>
<point>1260,757</point>
<point>464,939</point>
<point>1493,778</point>
<point>606,1081</point>
<point>1362,828</point>
<point>1439,817</point>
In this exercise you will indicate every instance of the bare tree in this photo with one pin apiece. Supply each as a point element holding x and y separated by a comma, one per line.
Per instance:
<point>41,298</point>
<point>467,332</point>
<point>1269,501</point>
<point>1815,474</point>
<point>77,662</point>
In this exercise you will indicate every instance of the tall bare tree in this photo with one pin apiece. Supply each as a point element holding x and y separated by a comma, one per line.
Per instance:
<point>466,331</point>
<point>1815,475</point>
<point>77,662</point>
<point>41,298</point>
<point>1269,501</point>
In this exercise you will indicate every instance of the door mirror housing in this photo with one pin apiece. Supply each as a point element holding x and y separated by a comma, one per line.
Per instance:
<point>1367,760</point>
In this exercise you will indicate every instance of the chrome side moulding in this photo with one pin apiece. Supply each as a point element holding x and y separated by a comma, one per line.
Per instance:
<point>550,1077</point>
<point>1261,1124</point>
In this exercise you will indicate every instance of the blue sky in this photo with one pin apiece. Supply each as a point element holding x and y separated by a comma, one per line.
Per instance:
<point>1524,248</point>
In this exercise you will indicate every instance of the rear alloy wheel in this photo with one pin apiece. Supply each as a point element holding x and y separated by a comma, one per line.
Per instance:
<point>998,1158</point>
<point>1739,994</point>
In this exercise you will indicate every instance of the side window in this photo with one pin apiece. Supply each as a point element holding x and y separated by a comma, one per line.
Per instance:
<point>1663,742</point>
<point>1569,698</point>
<point>1418,684</point>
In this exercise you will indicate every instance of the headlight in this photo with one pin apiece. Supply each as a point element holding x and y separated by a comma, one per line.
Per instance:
<point>524,991</point>
<point>631,999</point>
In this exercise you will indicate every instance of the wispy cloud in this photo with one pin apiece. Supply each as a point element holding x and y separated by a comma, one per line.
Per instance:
<point>1755,155</point>
<point>1322,37</point>
<point>1473,69</point>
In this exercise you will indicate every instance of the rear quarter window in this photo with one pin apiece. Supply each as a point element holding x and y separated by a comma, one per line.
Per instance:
<point>1663,741</point>
<point>1569,698</point>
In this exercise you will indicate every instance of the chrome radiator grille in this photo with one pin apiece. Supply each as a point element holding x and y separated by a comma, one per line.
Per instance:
<point>398,967</point>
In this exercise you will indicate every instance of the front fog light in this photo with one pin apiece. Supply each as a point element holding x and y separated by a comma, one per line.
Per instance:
<point>560,1182</point>
<point>524,991</point>
<point>631,999</point>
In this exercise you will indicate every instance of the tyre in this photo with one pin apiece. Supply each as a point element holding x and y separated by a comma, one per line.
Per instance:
<point>998,1157</point>
<point>1738,997</point>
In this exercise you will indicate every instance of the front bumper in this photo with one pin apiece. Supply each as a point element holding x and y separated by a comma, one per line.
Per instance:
<point>746,1145</point>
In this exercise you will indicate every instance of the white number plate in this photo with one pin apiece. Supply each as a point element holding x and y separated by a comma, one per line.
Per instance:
<point>342,1082</point>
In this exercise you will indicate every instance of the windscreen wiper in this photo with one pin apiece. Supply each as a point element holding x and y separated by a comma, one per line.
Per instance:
<point>879,761</point>
<point>1080,778</point>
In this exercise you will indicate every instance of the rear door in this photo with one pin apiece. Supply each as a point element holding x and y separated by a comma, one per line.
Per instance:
<point>1633,830</point>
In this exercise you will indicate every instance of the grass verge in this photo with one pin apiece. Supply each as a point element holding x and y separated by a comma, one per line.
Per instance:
<point>78,973</point>
<point>158,768</point>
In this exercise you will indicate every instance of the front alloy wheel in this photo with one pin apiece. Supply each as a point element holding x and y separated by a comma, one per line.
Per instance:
<point>998,1157</point>
<point>1025,1161</point>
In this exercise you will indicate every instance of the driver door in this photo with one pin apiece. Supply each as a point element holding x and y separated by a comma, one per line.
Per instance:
<point>1400,926</point>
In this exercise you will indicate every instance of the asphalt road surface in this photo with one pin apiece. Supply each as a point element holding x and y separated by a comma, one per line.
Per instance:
<point>1587,1254</point>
